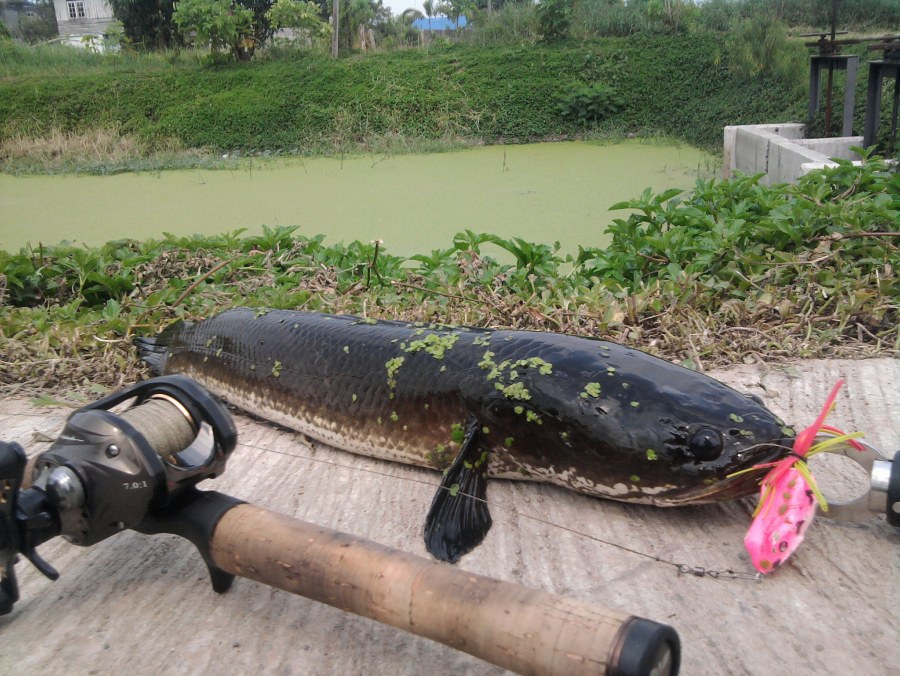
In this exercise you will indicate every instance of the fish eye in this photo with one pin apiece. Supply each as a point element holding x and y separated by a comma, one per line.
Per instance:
<point>706,444</point>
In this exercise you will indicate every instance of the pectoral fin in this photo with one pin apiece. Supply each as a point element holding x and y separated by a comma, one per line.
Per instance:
<point>459,518</point>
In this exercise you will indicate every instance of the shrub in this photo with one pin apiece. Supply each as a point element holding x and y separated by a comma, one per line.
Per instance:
<point>588,104</point>
<point>554,19</point>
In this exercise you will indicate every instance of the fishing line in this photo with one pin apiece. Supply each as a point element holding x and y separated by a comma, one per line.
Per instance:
<point>681,568</point>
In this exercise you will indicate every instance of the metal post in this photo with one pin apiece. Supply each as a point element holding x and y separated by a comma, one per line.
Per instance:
<point>848,62</point>
<point>815,89</point>
<point>878,71</point>
<point>850,95</point>
<point>892,139</point>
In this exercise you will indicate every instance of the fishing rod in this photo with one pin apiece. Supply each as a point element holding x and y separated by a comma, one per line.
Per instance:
<point>112,469</point>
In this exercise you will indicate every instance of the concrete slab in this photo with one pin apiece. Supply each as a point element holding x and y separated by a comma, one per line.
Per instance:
<point>142,605</point>
<point>780,152</point>
<point>732,159</point>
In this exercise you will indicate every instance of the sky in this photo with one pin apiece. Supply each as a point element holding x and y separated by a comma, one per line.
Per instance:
<point>397,6</point>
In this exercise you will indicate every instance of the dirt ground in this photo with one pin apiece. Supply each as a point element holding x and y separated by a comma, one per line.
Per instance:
<point>143,605</point>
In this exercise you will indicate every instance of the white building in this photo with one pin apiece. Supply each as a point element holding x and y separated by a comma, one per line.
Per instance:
<point>79,18</point>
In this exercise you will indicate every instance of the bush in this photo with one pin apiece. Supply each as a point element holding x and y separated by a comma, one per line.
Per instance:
<point>554,19</point>
<point>588,104</point>
<point>40,27</point>
<point>854,15</point>
<point>816,242</point>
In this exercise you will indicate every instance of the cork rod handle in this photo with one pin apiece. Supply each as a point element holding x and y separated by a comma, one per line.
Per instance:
<point>521,629</point>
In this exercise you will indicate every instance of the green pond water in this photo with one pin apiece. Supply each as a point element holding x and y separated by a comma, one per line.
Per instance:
<point>541,192</point>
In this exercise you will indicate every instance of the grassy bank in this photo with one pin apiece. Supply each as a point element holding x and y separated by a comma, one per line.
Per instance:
<point>730,272</point>
<point>677,85</point>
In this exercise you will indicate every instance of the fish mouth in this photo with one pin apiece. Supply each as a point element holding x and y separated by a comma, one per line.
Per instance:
<point>726,489</point>
<point>732,486</point>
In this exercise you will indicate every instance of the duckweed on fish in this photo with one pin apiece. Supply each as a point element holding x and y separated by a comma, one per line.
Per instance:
<point>591,390</point>
<point>434,344</point>
<point>529,408</point>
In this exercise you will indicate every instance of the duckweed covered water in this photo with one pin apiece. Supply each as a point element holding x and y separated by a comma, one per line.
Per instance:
<point>541,192</point>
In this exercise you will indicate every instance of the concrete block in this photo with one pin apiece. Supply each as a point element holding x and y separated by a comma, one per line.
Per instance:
<point>834,148</point>
<point>780,152</point>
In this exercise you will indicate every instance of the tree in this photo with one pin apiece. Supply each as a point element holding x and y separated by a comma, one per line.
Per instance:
<point>670,12</point>
<point>410,15</point>
<point>233,27</point>
<point>335,28</point>
<point>429,6</point>
<point>395,31</point>
<point>147,23</point>
<point>150,23</point>
<point>457,8</point>
<point>218,23</point>
<point>262,27</point>
<point>40,27</point>
<point>356,20</point>
<point>300,15</point>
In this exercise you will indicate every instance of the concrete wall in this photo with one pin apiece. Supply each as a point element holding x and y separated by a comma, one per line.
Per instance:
<point>835,148</point>
<point>780,152</point>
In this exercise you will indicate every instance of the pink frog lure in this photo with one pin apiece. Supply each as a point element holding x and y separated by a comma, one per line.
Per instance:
<point>789,495</point>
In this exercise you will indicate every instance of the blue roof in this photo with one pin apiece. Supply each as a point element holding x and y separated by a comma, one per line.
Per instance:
<point>439,23</point>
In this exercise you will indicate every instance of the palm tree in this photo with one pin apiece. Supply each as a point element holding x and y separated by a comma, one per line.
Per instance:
<point>358,14</point>
<point>429,6</point>
<point>411,14</point>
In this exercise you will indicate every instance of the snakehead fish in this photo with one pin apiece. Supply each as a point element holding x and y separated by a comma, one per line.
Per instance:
<point>593,416</point>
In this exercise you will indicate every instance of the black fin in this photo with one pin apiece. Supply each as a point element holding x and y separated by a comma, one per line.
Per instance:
<point>152,353</point>
<point>459,518</point>
<point>154,350</point>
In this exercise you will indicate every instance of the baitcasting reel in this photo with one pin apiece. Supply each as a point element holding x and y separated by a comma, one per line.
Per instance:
<point>111,471</point>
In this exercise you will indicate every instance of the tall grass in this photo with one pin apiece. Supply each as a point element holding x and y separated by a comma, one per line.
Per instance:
<point>761,46</point>
<point>598,18</point>
<point>854,15</point>
<point>101,150</point>
<point>55,59</point>
<point>512,24</point>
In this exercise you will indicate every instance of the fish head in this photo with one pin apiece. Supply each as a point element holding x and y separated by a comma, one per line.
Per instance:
<point>644,430</point>
<point>706,449</point>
